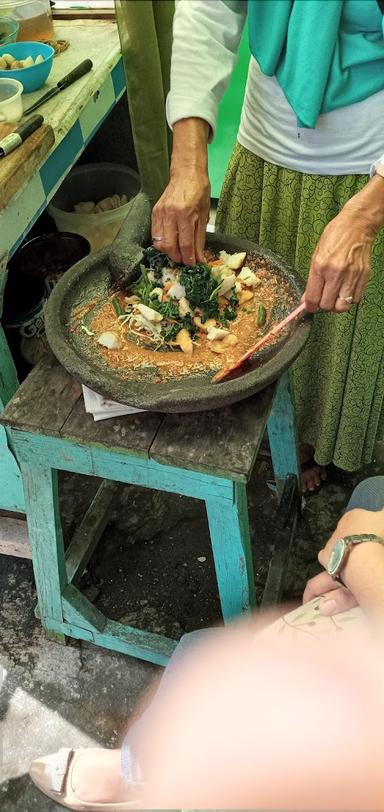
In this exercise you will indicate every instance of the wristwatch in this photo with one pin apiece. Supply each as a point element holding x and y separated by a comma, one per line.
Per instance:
<point>342,548</point>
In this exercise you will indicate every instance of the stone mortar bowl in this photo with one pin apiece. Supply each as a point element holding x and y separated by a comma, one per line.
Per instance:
<point>92,277</point>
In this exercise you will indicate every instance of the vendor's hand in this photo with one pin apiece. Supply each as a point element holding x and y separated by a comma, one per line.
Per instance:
<point>341,262</point>
<point>180,217</point>
<point>335,598</point>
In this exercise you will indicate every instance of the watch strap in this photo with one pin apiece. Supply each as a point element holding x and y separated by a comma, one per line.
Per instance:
<point>342,548</point>
<point>360,537</point>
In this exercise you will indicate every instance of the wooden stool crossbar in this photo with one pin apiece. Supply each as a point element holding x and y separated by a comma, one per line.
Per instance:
<point>207,455</point>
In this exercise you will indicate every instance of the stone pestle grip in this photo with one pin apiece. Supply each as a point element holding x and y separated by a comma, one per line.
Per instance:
<point>126,251</point>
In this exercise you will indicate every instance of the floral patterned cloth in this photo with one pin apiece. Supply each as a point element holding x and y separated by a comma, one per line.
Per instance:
<point>307,621</point>
<point>338,380</point>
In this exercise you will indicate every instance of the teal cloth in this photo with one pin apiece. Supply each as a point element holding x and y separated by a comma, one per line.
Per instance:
<point>325,54</point>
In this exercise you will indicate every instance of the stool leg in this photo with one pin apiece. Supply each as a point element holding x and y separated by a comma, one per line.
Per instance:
<point>282,435</point>
<point>230,539</point>
<point>46,538</point>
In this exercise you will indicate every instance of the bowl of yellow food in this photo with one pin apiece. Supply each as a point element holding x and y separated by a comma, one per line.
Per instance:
<point>28,62</point>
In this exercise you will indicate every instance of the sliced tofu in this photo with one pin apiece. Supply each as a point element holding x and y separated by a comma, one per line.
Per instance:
<point>227,284</point>
<point>88,207</point>
<point>230,341</point>
<point>109,340</point>
<point>8,58</point>
<point>177,291</point>
<point>217,346</point>
<point>184,341</point>
<point>148,313</point>
<point>151,327</point>
<point>233,261</point>
<point>245,296</point>
<point>217,271</point>
<point>157,293</point>
<point>217,333</point>
<point>169,275</point>
<point>204,326</point>
<point>249,278</point>
<point>184,308</point>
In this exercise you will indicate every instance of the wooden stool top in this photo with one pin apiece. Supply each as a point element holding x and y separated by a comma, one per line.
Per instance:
<point>223,442</point>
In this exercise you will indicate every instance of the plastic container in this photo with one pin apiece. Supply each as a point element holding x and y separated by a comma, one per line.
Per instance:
<point>8,30</point>
<point>11,107</point>
<point>48,256</point>
<point>33,16</point>
<point>94,182</point>
<point>34,77</point>
<point>23,318</point>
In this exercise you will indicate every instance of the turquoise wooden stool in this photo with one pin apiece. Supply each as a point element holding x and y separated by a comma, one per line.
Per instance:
<point>207,455</point>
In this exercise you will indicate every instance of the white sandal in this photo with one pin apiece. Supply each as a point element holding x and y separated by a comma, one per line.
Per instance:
<point>52,775</point>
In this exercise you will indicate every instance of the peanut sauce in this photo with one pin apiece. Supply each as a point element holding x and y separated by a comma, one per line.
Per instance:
<point>133,360</point>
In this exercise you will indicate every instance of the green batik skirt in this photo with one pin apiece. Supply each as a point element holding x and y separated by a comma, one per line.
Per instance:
<point>338,381</point>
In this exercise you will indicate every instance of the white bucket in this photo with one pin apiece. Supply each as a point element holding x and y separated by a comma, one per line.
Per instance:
<point>94,182</point>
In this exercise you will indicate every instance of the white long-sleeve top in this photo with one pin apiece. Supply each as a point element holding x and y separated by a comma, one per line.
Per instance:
<point>206,38</point>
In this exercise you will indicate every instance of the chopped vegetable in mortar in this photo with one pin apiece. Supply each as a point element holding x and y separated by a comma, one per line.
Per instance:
<point>177,321</point>
<point>170,305</point>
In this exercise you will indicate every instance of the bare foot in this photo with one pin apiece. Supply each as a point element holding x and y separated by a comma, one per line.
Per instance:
<point>312,478</point>
<point>96,777</point>
<point>312,474</point>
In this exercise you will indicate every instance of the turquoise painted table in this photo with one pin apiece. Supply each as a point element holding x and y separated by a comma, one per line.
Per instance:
<point>75,116</point>
<point>207,455</point>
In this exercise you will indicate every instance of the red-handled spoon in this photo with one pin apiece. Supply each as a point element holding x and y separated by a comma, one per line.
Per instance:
<point>223,373</point>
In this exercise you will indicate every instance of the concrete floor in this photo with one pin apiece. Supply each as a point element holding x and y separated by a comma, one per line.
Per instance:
<point>76,695</point>
<point>53,695</point>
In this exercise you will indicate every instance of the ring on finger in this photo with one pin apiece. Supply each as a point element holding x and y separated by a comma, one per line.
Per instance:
<point>347,299</point>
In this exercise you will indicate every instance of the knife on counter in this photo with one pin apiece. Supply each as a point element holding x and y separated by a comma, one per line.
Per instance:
<point>68,80</point>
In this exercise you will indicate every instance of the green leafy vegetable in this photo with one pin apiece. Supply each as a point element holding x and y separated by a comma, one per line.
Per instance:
<point>230,312</point>
<point>144,287</point>
<point>170,332</point>
<point>189,325</point>
<point>216,291</point>
<point>155,261</point>
<point>199,286</point>
<point>169,310</point>
<point>211,310</point>
<point>202,292</point>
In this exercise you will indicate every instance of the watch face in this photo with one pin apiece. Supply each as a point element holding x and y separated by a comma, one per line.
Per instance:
<point>336,557</point>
